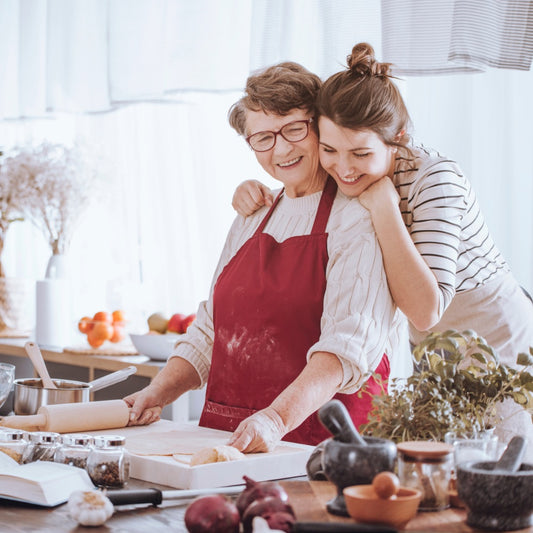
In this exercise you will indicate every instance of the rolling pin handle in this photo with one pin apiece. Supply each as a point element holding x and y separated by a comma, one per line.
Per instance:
<point>130,497</point>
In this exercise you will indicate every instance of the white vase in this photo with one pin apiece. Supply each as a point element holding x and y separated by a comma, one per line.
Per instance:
<point>53,314</point>
<point>57,267</point>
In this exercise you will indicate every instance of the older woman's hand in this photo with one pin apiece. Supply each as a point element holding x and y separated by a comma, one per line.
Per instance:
<point>145,407</point>
<point>260,432</point>
<point>249,196</point>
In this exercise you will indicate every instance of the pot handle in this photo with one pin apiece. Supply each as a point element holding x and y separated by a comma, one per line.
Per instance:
<point>111,379</point>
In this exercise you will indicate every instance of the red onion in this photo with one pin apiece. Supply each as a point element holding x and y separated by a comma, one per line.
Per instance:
<point>212,514</point>
<point>264,507</point>
<point>280,520</point>
<point>256,490</point>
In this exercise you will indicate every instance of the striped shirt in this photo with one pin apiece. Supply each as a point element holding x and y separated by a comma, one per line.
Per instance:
<point>442,215</point>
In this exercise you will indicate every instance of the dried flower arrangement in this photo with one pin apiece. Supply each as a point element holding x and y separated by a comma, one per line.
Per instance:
<point>13,197</point>
<point>57,183</point>
<point>458,387</point>
<point>50,185</point>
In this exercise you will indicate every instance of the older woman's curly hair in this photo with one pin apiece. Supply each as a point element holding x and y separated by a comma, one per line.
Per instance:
<point>278,90</point>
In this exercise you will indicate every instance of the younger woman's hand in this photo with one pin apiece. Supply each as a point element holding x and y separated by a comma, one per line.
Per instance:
<point>249,196</point>
<point>380,194</point>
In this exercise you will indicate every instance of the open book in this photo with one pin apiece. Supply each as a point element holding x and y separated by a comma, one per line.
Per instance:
<point>41,483</point>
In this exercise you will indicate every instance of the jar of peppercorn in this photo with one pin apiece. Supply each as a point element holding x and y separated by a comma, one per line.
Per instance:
<point>74,450</point>
<point>42,446</point>
<point>108,461</point>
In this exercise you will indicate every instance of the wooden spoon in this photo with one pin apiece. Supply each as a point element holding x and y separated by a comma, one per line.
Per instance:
<point>34,353</point>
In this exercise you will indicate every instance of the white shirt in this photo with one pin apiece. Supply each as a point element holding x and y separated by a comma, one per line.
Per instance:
<point>359,315</point>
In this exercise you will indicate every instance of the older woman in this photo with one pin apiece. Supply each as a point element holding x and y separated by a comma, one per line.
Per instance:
<point>286,326</point>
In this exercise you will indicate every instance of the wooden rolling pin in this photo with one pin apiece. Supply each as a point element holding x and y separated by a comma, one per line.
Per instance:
<point>72,417</point>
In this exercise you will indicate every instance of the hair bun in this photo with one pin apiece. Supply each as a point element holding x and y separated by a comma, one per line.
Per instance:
<point>362,62</point>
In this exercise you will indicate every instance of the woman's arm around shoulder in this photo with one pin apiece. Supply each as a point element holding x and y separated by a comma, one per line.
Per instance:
<point>249,196</point>
<point>412,283</point>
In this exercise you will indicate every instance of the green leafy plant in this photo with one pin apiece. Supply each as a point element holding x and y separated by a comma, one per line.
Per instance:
<point>457,386</point>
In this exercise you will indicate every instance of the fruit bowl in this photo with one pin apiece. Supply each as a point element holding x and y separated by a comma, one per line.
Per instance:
<point>153,345</point>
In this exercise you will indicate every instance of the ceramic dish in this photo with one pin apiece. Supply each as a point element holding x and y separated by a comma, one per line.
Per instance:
<point>157,347</point>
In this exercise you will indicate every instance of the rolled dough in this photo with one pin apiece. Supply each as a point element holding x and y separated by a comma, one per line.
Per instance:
<point>172,443</point>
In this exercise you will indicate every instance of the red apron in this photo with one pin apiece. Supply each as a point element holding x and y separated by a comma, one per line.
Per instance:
<point>267,307</point>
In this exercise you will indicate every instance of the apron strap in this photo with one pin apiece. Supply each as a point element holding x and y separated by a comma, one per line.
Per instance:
<point>324,208</point>
<point>261,227</point>
<point>322,214</point>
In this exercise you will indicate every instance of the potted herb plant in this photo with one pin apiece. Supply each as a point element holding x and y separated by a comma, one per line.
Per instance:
<point>458,385</point>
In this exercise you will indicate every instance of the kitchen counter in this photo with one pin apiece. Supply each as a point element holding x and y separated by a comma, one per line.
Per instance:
<point>307,498</point>
<point>145,367</point>
<point>84,367</point>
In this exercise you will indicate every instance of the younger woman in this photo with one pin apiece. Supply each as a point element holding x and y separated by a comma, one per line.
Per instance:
<point>443,268</point>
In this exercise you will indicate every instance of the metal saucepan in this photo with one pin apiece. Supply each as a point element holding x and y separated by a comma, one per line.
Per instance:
<point>30,393</point>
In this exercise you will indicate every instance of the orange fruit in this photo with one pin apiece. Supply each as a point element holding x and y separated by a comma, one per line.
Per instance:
<point>103,316</point>
<point>119,333</point>
<point>85,324</point>
<point>94,341</point>
<point>102,331</point>
<point>118,316</point>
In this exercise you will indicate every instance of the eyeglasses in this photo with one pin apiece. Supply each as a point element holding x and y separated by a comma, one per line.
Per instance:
<point>262,141</point>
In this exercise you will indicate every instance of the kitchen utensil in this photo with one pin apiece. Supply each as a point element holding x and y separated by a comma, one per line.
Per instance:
<point>30,393</point>
<point>34,353</point>
<point>498,493</point>
<point>336,419</point>
<point>511,458</point>
<point>156,497</point>
<point>348,458</point>
<point>72,417</point>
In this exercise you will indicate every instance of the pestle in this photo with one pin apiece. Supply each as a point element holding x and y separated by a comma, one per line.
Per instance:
<point>511,458</point>
<point>336,419</point>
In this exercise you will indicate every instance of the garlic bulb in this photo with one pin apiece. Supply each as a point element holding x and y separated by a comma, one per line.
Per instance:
<point>90,508</point>
<point>260,525</point>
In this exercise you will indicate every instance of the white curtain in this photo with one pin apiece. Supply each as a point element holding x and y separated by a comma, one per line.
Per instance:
<point>428,37</point>
<point>168,72</point>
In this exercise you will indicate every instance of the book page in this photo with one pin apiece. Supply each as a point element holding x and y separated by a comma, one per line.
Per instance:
<point>43,483</point>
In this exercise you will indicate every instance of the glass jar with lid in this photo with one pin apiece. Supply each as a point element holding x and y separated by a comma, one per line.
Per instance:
<point>108,462</point>
<point>427,466</point>
<point>13,442</point>
<point>74,450</point>
<point>42,446</point>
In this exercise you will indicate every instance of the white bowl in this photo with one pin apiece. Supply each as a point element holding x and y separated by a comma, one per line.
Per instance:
<point>155,346</point>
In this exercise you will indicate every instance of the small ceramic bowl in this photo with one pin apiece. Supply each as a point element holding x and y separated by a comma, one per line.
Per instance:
<point>365,506</point>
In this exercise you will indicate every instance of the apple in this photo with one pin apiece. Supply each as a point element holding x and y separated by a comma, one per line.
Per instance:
<point>157,322</point>
<point>187,321</point>
<point>175,323</point>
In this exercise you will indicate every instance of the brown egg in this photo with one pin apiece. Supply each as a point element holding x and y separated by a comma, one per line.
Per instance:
<point>386,485</point>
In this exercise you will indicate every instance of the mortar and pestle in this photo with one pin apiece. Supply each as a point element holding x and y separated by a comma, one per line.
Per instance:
<point>348,458</point>
<point>498,494</point>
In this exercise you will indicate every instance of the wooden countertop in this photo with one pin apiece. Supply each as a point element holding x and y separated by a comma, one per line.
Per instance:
<point>307,498</point>
<point>145,366</point>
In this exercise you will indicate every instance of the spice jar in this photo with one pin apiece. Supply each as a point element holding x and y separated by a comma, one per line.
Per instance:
<point>74,450</point>
<point>108,462</point>
<point>42,446</point>
<point>427,466</point>
<point>13,442</point>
